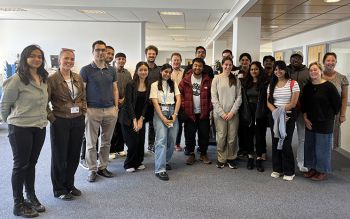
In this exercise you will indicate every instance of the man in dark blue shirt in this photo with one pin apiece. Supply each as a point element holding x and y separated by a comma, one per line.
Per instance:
<point>102,109</point>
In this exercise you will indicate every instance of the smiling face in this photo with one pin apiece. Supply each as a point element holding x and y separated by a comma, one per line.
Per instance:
<point>166,73</point>
<point>280,73</point>
<point>197,68</point>
<point>227,66</point>
<point>176,62</point>
<point>151,55</point>
<point>67,60</point>
<point>35,59</point>
<point>120,61</point>
<point>315,72</point>
<point>142,72</point>
<point>109,55</point>
<point>254,71</point>
<point>244,62</point>
<point>330,62</point>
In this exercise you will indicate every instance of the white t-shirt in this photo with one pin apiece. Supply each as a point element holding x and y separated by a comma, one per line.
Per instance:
<point>165,96</point>
<point>196,87</point>
<point>283,95</point>
<point>70,86</point>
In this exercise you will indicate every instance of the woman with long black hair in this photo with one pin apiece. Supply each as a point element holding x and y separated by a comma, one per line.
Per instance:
<point>253,114</point>
<point>23,108</point>
<point>132,117</point>
<point>165,96</point>
<point>282,97</point>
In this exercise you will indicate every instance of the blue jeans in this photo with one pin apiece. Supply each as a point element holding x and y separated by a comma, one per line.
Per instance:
<point>317,151</point>
<point>165,140</point>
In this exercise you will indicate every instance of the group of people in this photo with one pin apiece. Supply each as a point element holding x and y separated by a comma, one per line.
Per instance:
<point>105,100</point>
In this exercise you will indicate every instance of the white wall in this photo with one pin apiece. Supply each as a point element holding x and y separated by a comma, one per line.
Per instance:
<point>334,32</point>
<point>51,36</point>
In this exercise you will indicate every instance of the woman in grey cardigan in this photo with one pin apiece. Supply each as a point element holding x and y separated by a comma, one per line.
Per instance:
<point>23,108</point>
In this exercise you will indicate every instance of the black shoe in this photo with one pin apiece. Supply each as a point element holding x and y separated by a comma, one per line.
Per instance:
<point>92,176</point>
<point>105,173</point>
<point>74,191</point>
<point>220,165</point>
<point>259,166</point>
<point>250,164</point>
<point>168,167</point>
<point>151,149</point>
<point>162,176</point>
<point>64,196</point>
<point>232,164</point>
<point>34,203</point>
<point>24,210</point>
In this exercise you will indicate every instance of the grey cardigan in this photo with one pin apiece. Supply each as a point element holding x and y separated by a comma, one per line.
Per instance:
<point>24,105</point>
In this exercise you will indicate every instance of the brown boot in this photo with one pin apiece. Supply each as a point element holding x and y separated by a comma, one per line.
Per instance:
<point>310,173</point>
<point>191,159</point>
<point>204,158</point>
<point>319,177</point>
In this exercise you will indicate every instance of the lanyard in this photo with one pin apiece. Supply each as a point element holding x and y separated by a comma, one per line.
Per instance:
<point>165,95</point>
<point>71,92</point>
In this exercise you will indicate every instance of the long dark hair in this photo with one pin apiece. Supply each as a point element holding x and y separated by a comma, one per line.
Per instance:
<point>248,82</point>
<point>169,81</point>
<point>231,77</point>
<point>23,67</point>
<point>281,65</point>
<point>136,78</point>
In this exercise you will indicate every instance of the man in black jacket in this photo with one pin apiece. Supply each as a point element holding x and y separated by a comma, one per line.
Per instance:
<point>300,73</point>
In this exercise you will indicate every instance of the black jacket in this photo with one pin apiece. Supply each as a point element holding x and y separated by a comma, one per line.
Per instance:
<point>245,114</point>
<point>127,112</point>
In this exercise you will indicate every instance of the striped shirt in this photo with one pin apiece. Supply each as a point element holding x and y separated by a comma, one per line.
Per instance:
<point>283,95</point>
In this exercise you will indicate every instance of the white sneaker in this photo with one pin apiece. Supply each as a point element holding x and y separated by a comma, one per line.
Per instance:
<point>130,170</point>
<point>288,178</point>
<point>122,153</point>
<point>141,167</point>
<point>275,175</point>
<point>303,169</point>
<point>112,156</point>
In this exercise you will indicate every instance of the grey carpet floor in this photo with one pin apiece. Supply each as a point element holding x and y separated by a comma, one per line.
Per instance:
<point>198,191</point>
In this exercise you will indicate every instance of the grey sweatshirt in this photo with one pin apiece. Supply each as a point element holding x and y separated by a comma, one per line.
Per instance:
<point>225,99</point>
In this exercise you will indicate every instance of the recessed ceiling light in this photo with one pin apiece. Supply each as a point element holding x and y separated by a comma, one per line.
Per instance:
<point>171,13</point>
<point>92,11</point>
<point>273,26</point>
<point>12,9</point>
<point>175,27</point>
<point>331,1</point>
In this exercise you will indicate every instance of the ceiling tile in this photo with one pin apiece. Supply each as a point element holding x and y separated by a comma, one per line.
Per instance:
<point>316,9</point>
<point>262,15</point>
<point>321,2</point>
<point>281,22</point>
<point>342,10</point>
<point>332,16</point>
<point>270,8</point>
<point>280,2</point>
<point>297,16</point>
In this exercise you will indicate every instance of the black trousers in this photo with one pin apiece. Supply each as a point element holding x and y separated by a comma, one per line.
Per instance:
<point>151,133</point>
<point>179,133</point>
<point>202,126</point>
<point>257,132</point>
<point>117,141</point>
<point>135,142</point>
<point>283,160</point>
<point>26,144</point>
<point>66,138</point>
